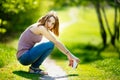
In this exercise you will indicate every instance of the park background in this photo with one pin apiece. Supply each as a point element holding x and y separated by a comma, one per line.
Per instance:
<point>91,31</point>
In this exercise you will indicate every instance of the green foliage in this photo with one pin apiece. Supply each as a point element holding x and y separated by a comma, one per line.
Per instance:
<point>16,15</point>
<point>7,55</point>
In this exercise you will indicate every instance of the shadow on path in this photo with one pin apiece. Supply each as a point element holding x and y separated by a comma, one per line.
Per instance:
<point>47,77</point>
<point>27,75</point>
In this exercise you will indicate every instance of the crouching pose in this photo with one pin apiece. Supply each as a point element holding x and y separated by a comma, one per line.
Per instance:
<point>30,54</point>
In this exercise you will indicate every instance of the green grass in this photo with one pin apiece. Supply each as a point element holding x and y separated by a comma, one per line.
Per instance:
<point>16,71</point>
<point>10,68</point>
<point>7,55</point>
<point>106,69</point>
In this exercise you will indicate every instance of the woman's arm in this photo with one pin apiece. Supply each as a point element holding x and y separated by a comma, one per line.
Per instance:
<point>58,44</point>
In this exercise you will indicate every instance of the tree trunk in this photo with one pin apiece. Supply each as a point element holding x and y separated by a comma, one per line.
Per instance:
<point>108,27</point>
<point>102,30</point>
<point>118,35</point>
<point>115,25</point>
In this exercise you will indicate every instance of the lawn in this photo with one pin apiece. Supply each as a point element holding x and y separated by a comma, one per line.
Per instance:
<point>106,69</point>
<point>10,68</point>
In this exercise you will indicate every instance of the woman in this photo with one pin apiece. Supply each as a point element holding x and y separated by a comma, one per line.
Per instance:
<point>30,54</point>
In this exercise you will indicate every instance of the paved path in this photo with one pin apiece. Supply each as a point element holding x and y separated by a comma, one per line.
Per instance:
<point>56,72</point>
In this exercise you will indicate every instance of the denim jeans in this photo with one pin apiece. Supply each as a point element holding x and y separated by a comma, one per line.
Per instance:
<point>37,54</point>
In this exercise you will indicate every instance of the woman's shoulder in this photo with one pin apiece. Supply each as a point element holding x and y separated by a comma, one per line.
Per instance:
<point>36,28</point>
<point>34,25</point>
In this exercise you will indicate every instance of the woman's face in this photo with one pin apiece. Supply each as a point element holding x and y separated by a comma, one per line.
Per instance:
<point>49,24</point>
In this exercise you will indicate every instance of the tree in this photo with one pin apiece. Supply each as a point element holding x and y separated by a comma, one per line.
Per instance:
<point>16,15</point>
<point>115,35</point>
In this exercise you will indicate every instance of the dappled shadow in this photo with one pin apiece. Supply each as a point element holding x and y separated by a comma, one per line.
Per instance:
<point>39,77</point>
<point>87,52</point>
<point>27,75</point>
<point>118,50</point>
<point>90,53</point>
<point>69,75</point>
<point>47,77</point>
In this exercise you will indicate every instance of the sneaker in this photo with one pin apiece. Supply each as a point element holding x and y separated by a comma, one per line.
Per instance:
<point>37,71</point>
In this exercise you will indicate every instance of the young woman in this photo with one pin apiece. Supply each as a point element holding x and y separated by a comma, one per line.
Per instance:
<point>30,54</point>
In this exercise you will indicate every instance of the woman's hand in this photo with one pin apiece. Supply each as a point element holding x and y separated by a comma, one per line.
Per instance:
<point>71,60</point>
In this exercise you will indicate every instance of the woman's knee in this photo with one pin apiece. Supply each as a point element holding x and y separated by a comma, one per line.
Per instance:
<point>51,44</point>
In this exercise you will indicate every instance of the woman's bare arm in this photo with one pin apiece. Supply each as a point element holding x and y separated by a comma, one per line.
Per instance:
<point>50,37</point>
<point>58,44</point>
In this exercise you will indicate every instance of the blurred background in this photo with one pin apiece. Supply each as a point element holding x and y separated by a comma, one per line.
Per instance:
<point>16,15</point>
<point>89,28</point>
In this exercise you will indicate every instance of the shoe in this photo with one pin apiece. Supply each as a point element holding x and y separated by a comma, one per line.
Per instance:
<point>37,71</point>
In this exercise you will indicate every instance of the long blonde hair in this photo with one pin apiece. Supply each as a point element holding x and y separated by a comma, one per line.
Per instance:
<point>43,19</point>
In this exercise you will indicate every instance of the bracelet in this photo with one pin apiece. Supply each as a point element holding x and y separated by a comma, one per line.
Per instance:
<point>67,52</point>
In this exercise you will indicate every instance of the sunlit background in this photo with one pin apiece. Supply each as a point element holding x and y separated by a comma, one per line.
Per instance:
<point>90,29</point>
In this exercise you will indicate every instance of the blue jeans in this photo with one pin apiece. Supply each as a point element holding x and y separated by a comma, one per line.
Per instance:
<point>37,54</point>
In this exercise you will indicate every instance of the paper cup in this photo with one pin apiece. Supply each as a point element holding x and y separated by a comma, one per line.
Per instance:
<point>75,64</point>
